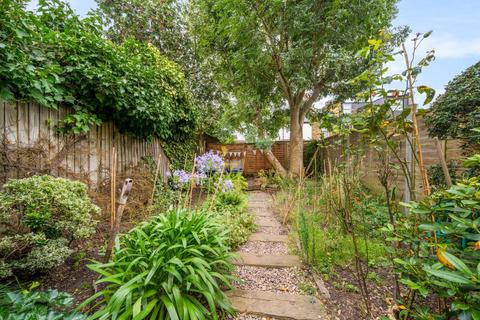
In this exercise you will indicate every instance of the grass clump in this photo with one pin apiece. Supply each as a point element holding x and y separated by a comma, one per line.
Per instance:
<point>321,231</point>
<point>171,267</point>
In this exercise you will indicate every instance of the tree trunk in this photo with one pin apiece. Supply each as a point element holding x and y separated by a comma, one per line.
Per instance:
<point>279,169</point>
<point>296,143</point>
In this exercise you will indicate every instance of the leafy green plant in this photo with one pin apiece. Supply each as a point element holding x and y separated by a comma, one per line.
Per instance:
<point>167,268</point>
<point>37,305</point>
<point>231,199</point>
<point>442,233</point>
<point>165,198</point>
<point>230,210</point>
<point>54,57</point>
<point>240,184</point>
<point>39,218</point>
<point>454,114</point>
<point>437,178</point>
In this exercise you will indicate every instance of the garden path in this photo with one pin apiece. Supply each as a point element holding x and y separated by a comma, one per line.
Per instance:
<point>273,283</point>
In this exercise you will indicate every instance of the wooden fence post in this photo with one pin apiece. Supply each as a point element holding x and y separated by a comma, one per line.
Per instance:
<point>122,201</point>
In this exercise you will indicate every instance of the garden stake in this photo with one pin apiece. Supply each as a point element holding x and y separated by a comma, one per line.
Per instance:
<point>441,156</point>
<point>192,182</point>
<point>155,179</point>
<point>122,201</point>
<point>113,183</point>
<point>421,164</point>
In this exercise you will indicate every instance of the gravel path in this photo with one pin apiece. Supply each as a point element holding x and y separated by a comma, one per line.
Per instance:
<point>279,280</point>
<point>262,247</point>
<point>287,280</point>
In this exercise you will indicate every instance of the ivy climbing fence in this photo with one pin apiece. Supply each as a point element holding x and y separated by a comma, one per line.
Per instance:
<point>30,144</point>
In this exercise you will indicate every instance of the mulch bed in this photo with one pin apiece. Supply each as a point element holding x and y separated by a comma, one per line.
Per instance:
<point>74,276</point>
<point>345,299</point>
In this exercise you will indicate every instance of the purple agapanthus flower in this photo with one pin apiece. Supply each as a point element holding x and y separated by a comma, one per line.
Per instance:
<point>179,178</point>
<point>224,185</point>
<point>209,163</point>
<point>227,184</point>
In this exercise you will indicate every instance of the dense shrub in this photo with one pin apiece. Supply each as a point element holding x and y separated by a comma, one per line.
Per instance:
<point>441,238</point>
<point>168,268</point>
<point>165,198</point>
<point>456,113</point>
<point>39,217</point>
<point>239,182</point>
<point>37,305</point>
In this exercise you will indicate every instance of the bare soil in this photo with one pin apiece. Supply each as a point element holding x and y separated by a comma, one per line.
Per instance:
<point>345,299</point>
<point>74,276</point>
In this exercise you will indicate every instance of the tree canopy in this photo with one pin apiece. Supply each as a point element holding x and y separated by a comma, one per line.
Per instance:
<point>164,24</point>
<point>456,113</point>
<point>302,50</point>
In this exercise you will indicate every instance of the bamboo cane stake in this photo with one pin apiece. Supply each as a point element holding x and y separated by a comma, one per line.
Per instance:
<point>192,182</point>
<point>113,183</point>
<point>421,164</point>
<point>441,156</point>
<point>155,178</point>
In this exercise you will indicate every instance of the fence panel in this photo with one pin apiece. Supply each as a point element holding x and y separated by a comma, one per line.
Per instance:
<point>31,145</point>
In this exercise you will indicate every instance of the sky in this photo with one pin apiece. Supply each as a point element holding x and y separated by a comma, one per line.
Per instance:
<point>455,37</point>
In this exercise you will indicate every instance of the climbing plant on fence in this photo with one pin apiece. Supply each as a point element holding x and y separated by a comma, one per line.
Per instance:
<point>54,57</point>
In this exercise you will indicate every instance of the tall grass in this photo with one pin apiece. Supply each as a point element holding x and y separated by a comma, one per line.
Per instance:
<point>172,267</point>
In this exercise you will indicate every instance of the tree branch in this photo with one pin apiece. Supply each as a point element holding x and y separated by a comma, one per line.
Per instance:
<point>307,104</point>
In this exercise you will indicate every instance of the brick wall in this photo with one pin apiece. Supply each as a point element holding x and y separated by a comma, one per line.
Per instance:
<point>251,158</point>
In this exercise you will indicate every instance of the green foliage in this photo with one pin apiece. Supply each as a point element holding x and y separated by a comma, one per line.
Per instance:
<point>436,177</point>
<point>311,157</point>
<point>270,53</point>
<point>167,268</point>
<point>56,58</point>
<point>442,258</point>
<point>37,305</point>
<point>270,179</point>
<point>181,153</point>
<point>240,183</point>
<point>323,240</point>
<point>472,165</point>
<point>456,113</point>
<point>230,210</point>
<point>231,199</point>
<point>164,24</point>
<point>165,198</point>
<point>39,217</point>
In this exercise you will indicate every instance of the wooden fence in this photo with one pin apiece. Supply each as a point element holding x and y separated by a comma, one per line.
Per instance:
<point>370,163</point>
<point>31,144</point>
<point>253,159</point>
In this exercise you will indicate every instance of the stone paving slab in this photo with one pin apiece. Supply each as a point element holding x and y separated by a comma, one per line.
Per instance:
<point>279,306</point>
<point>268,261</point>
<point>263,213</point>
<point>263,221</point>
<point>266,237</point>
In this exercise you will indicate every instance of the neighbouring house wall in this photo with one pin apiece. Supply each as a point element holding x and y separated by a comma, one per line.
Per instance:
<point>31,145</point>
